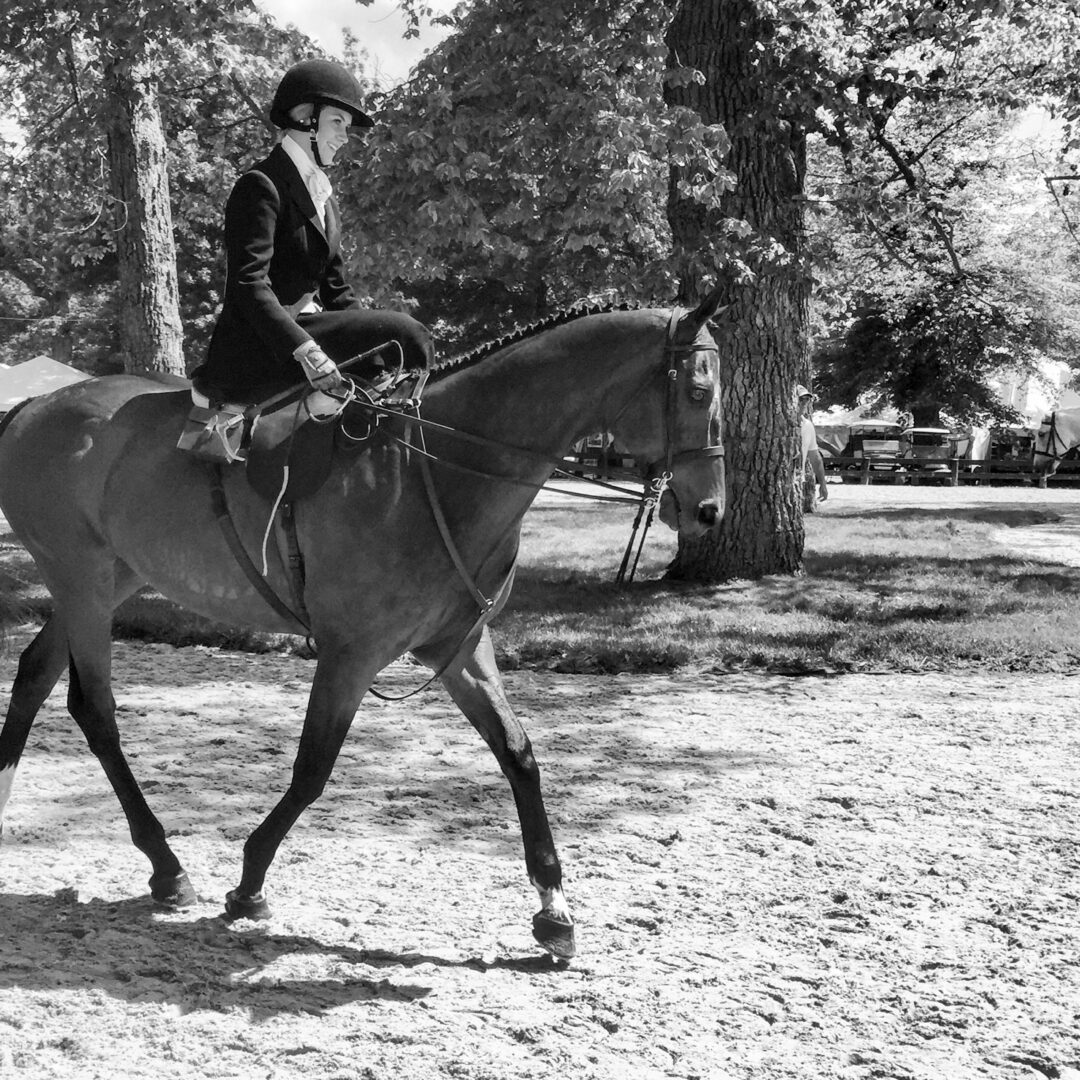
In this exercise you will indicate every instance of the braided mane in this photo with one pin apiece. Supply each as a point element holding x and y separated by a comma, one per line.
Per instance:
<point>519,333</point>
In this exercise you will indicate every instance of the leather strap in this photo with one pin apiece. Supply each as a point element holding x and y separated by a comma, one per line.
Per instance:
<point>220,507</point>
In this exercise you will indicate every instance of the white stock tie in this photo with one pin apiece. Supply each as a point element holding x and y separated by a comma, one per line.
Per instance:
<point>319,186</point>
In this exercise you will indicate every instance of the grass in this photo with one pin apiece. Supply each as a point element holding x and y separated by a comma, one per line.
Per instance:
<point>906,589</point>
<point>882,590</point>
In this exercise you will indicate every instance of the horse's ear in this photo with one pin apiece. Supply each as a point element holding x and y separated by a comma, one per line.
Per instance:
<point>708,308</point>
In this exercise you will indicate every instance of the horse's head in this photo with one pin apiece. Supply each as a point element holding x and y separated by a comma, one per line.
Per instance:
<point>679,420</point>
<point>1051,445</point>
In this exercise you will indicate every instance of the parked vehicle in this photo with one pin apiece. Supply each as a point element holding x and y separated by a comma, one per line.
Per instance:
<point>597,455</point>
<point>875,440</point>
<point>928,450</point>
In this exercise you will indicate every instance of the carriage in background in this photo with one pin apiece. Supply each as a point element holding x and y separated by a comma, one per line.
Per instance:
<point>876,442</point>
<point>884,451</point>
<point>929,451</point>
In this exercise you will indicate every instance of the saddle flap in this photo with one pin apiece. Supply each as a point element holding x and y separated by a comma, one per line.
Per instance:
<point>290,454</point>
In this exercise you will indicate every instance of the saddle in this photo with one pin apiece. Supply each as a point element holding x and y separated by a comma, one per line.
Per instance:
<point>287,442</point>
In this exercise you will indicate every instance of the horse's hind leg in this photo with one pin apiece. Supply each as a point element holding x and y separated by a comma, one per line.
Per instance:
<point>91,703</point>
<point>40,667</point>
<point>88,620</point>
<point>478,691</point>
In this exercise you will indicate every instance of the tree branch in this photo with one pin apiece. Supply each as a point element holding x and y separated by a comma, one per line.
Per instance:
<point>1050,181</point>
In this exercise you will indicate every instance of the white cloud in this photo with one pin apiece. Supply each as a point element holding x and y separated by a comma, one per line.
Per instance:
<point>378,26</point>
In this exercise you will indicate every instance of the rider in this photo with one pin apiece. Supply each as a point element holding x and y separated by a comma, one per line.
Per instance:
<point>288,312</point>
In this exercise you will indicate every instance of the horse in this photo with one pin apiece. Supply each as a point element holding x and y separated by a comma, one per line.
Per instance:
<point>408,546</point>
<point>1058,434</point>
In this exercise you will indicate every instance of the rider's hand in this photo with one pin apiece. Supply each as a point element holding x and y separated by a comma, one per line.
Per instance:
<point>318,368</point>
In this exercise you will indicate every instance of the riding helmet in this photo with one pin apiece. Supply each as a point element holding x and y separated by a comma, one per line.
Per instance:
<point>318,82</point>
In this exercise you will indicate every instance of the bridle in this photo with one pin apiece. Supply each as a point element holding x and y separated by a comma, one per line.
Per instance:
<point>659,473</point>
<point>1053,442</point>
<point>658,470</point>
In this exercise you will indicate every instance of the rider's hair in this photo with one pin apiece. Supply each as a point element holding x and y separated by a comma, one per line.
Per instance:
<point>302,113</point>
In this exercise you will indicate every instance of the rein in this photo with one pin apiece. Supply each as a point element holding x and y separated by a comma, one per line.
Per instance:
<point>409,410</point>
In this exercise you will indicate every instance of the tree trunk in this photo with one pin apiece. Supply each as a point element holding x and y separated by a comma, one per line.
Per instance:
<point>151,335</point>
<point>925,416</point>
<point>763,338</point>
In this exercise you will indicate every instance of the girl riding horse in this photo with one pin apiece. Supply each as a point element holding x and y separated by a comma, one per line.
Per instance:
<point>288,312</point>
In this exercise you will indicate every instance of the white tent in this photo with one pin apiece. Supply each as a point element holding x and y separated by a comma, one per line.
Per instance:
<point>34,377</point>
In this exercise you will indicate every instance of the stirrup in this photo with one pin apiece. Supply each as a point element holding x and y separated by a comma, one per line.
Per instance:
<point>217,433</point>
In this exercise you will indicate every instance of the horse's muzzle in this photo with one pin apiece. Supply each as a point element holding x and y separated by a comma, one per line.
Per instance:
<point>708,513</point>
<point>706,518</point>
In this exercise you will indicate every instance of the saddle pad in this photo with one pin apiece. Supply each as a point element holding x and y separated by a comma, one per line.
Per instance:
<point>289,439</point>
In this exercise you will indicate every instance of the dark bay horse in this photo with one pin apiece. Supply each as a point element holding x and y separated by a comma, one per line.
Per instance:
<point>92,484</point>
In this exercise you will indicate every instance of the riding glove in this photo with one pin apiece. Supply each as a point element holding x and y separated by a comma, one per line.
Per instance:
<point>318,368</point>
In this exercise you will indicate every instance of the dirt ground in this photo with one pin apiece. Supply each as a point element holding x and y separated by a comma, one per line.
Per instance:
<point>859,876</point>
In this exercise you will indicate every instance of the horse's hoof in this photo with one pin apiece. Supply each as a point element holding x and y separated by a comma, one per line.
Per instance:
<point>172,891</point>
<point>555,934</point>
<point>246,907</point>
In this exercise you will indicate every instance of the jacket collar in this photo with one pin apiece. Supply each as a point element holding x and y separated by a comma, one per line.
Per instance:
<point>280,167</point>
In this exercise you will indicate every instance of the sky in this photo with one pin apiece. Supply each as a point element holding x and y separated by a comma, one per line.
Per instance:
<point>378,26</point>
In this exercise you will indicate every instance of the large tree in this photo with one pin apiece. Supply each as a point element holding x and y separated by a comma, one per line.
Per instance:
<point>883,88</point>
<point>753,238</point>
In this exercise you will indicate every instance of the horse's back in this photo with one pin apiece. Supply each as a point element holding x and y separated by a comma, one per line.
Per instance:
<point>57,451</point>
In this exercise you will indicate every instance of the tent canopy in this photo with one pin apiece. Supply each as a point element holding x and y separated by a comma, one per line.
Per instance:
<point>34,377</point>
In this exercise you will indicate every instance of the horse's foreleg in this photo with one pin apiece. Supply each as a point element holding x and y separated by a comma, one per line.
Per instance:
<point>478,691</point>
<point>339,684</point>
<point>91,703</point>
<point>40,667</point>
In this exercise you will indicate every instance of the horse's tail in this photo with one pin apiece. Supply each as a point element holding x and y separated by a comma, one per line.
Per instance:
<point>12,611</point>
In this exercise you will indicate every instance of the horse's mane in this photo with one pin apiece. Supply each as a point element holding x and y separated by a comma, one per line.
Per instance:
<point>520,333</point>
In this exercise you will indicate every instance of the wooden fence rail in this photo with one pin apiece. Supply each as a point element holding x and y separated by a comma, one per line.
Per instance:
<point>951,471</point>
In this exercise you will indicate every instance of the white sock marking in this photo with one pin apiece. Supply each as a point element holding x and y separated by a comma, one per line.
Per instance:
<point>7,778</point>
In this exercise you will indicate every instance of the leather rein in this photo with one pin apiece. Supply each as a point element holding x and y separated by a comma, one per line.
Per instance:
<point>409,410</point>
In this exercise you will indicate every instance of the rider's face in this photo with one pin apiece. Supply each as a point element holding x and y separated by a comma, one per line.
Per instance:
<point>333,131</point>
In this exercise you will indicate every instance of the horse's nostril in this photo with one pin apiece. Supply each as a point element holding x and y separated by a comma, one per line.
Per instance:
<point>708,513</point>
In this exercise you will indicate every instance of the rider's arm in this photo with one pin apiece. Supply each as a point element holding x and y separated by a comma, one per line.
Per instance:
<point>251,218</point>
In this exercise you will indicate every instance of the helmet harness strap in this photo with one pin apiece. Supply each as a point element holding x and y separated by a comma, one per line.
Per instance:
<point>314,129</point>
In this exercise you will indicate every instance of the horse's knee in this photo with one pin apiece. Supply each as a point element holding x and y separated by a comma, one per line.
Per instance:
<point>520,765</point>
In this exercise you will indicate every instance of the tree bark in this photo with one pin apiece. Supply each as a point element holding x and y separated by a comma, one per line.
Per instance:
<point>763,338</point>
<point>151,335</point>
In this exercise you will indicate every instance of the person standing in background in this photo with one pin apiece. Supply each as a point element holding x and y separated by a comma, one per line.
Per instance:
<point>810,453</point>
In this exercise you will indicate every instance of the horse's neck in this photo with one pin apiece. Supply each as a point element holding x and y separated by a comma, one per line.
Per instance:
<point>544,393</point>
<point>1068,422</point>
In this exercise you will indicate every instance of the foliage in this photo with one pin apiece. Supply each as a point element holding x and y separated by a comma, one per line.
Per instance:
<point>923,353</point>
<point>213,94</point>
<point>527,161</point>
<point>934,224</point>
<point>524,165</point>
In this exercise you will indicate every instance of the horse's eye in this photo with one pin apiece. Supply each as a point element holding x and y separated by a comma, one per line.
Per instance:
<point>697,394</point>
